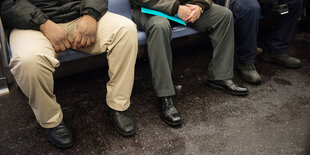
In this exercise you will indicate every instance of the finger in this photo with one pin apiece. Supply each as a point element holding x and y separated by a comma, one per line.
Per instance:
<point>93,40</point>
<point>67,44</point>
<point>88,42</point>
<point>56,47</point>
<point>62,47</point>
<point>191,21</point>
<point>70,40</point>
<point>83,42</point>
<point>192,7</point>
<point>77,40</point>
<point>194,19</point>
<point>189,5</point>
<point>189,17</point>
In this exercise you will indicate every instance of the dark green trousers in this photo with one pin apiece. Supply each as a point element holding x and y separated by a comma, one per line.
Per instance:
<point>217,23</point>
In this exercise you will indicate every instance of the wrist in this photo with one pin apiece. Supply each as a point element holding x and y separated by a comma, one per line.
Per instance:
<point>92,13</point>
<point>44,25</point>
<point>86,16</point>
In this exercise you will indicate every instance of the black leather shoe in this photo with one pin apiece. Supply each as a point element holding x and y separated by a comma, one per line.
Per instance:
<point>249,73</point>
<point>168,112</point>
<point>60,136</point>
<point>229,86</point>
<point>122,122</point>
<point>282,59</point>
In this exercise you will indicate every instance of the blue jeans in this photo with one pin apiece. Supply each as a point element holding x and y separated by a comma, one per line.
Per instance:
<point>276,39</point>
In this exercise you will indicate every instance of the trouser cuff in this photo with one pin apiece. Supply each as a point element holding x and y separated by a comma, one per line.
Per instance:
<point>166,92</point>
<point>118,107</point>
<point>221,77</point>
<point>54,124</point>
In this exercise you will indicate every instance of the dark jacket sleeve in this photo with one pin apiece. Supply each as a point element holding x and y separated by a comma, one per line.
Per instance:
<point>204,4</point>
<point>94,8</point>
<point>21,14</point>
<point>166,6</point>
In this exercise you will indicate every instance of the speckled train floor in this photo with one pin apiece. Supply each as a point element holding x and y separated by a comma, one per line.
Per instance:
<point>273,119</point>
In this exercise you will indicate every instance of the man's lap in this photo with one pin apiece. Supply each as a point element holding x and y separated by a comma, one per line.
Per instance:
<point>209,19</point>
<point>25,41</point>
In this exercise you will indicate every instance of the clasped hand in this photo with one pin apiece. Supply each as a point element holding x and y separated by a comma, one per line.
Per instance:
<point>86,31</point>
<point>189,13</point>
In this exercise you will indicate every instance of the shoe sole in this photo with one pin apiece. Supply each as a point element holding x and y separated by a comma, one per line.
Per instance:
<point>170,123</point>
<point>59,146</point>
<point>229,92</point>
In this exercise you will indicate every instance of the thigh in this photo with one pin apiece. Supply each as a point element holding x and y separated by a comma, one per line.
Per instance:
<point>211,18</point>
<point>242,7</point>
<point>30,45</point>
<point>108,27</point>
<point>145,21</point>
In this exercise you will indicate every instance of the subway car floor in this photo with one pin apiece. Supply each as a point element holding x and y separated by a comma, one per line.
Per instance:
<point>273,119</point>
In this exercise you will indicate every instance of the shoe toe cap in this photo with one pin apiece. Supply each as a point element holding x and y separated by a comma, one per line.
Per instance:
<point>66,141</point>
<point>242,89</point>
<point>255,79</point>
<point>129,128</point>
<point>173,119</point>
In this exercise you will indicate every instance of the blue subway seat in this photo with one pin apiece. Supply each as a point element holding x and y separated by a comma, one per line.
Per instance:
<point>122,7</point>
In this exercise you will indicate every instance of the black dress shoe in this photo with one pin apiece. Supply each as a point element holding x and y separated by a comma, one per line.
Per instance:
<point>168,112</point>
<point>60,136</point>
<point>229,86</point>
<point>282,59</point>
<point>249,73</point>
<point>122,122</point>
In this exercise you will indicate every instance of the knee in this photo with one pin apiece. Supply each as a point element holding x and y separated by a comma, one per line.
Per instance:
<point>31,65</point>
<point>247,8</point>
<point>253,8</point>
<point>226,14</point>
<point>160,25</point>
<point>129,28</point>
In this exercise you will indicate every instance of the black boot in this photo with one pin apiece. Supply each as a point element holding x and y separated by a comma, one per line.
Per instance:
<point>168,112</point>
<point>122,122</point>
<point>248,73</point>
<point>60,136</point>
<point>282,59</point>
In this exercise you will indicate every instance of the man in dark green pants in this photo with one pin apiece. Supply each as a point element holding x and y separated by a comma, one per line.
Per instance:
<point>201,15</point>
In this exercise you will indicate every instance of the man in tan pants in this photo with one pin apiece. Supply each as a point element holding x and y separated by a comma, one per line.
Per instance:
<point>45,28</point>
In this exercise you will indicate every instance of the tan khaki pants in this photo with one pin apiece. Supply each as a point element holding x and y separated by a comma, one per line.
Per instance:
<point>34,62</point>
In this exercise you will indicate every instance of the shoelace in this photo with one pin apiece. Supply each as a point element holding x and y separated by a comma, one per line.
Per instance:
<point>167,104</point>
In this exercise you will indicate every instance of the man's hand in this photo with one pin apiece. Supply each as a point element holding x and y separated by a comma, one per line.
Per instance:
<point>184,12</point>
<point>56,35</point>
<point>195,13</point>
<point>86,32</point>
